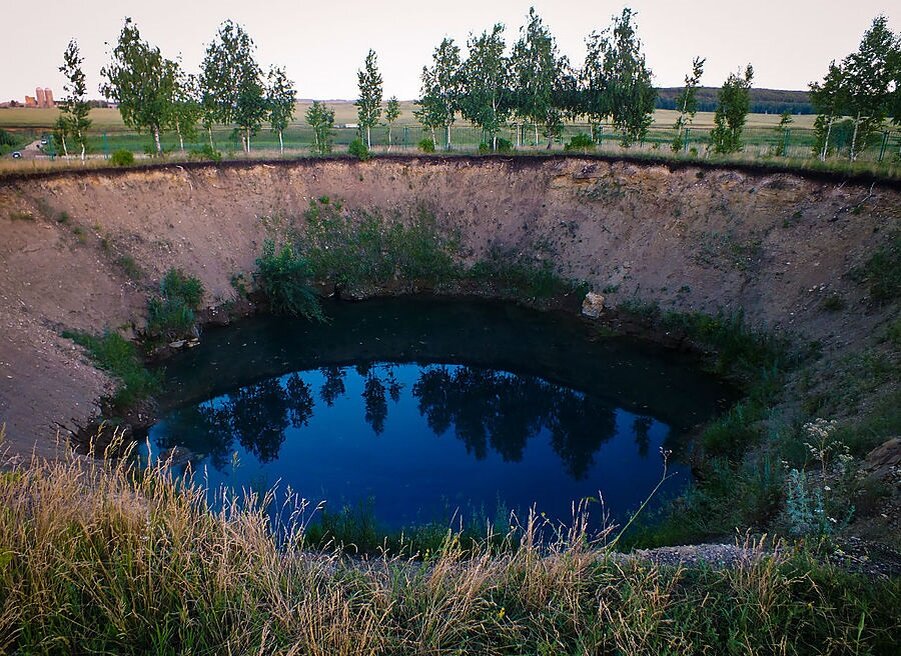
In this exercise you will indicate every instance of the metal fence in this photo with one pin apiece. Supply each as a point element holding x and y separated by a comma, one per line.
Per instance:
<point>759,142</point>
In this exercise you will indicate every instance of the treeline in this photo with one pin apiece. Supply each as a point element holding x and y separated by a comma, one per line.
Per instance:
<point>491,84</point>
<point>762,101</point>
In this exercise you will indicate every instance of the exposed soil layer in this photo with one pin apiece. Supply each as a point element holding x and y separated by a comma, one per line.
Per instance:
<point>773,244</point>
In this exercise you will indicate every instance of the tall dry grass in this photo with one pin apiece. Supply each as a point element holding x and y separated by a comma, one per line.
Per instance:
<point>105,557</point>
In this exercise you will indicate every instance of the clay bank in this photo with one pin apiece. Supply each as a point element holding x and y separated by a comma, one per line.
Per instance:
<point>83,250</point>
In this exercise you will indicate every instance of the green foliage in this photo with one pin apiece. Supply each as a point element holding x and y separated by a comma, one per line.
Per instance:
<point>285,278</point>
<point>487,99</point>
<point>322,120</point>
<point>734,433</point>
<point>687,103</point>
<point>501,145</point>
<point>122,158</point>
<point>740,349</point>
<point>359,149</point>
<point>176,285</point>
<point>427,145</point>
<point>75,107</point>
<point>441,89</point>
<point>142,82</point>
<point>731,112</point>
<point>363,249</point>
<point>130,267</point>
<point>231,83</point>
<point>280,98</point>
<point>882,272</point>
<point>616,80</point>
<point>580,142</point>
<point>115,354</point>
<point>868,77</point>
<point>206,153</point>
<point>171,314</point>
<point>369,104</point>
<point>835,302</point>
<point>537,70</point>
<point>392,113</point>
<point>512,276</point>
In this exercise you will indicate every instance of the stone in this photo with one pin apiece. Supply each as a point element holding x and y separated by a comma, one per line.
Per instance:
<point>593,305</point>
<point>884,462</point>
<point>177,344</point>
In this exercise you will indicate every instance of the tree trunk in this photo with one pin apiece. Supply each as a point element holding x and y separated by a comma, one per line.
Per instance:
<point>65,150</point>
<point>389,137</point>
<point>247,140</point>
<point>181,139</point>
<point>82,152</point>
<point>447,143</point>
<point>494,142</point>
<point>434,137</point>
<point>518,135</point>
<point>368,137</point>
<point>550,137</point>
<point>854,138</point>
<point>826,140</point>
<point>209,129</point>
<point>156,140</point>
<point>281,143</point>
<point>536,134</point>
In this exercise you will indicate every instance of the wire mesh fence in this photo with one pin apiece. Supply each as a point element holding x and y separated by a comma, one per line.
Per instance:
<point>298,139</point>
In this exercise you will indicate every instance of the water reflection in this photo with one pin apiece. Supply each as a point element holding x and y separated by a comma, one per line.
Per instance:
<point>487,409</point>
<point>536,413</point>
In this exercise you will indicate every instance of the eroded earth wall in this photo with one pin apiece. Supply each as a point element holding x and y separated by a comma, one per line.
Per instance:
<point>691,238</point>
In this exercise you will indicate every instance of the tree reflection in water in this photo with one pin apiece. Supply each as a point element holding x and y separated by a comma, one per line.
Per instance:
<point>487,409</point>
<point>504,410</point>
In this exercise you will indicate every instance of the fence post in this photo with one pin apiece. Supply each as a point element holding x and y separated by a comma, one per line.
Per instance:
<point>685,142</point>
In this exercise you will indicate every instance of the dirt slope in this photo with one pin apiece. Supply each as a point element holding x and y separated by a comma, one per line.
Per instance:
<point>775,245</point>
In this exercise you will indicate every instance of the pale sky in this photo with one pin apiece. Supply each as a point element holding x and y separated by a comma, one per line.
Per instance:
<point>789,42</point>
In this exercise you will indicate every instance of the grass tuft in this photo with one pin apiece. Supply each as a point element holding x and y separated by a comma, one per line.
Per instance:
<point>113,353</point>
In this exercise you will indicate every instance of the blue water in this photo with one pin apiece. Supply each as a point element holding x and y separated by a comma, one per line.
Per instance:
<point>434,435</point>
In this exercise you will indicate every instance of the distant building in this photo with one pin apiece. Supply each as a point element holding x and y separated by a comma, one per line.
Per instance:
<point>43,97</point>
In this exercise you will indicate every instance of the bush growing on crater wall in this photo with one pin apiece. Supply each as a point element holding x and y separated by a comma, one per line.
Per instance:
<point>171,314</point>
<point>285,277</point>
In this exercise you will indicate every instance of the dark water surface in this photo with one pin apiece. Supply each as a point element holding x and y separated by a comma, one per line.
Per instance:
<point>423,408</point>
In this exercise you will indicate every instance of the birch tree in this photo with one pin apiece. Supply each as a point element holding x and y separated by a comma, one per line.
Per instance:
<point>322,120</point>
<point>537,72</point>
<point>369,103</point>
<point>868,77</point>
<point>186,107</point>
<point>392,113</point>
<point>75,107</point>
<point>231,79</point>
<point>440,90</point>
<point>142,82</point>
<point>280,98</point>
<point>687,103</point>
<point>486,97</point>
<point>732,112</point>
<point>828,100</point>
